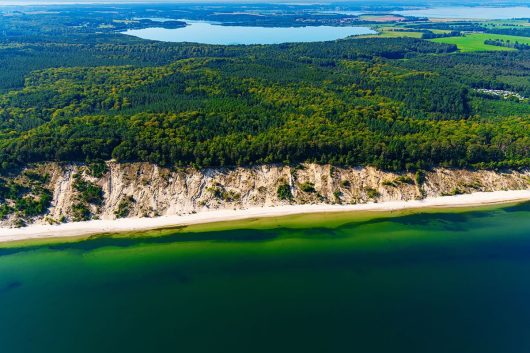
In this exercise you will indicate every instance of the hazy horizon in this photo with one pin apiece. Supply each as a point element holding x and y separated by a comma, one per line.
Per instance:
<point>308,2</point>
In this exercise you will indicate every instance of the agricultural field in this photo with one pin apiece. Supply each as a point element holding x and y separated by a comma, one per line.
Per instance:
<point>475,42</point>
<point>506,24</point>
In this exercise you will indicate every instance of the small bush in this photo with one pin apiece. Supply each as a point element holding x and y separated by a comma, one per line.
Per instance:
<point>124,207</point>
<point>284,192</point>
<point>220,193</point>
<point>473,185</point>
<point>5,210</point>
<point>419,177</point>
<point>453,192</point>
<point>372,193</point>
<point>404,179</point>
<point>216,191</point>
<point>80,212</point>
<point>88,191</point>
<point>11,190</point>
<point>97,169</point>
<point>307,187</point>
<point>31,206</point>
<point>34,176</point>
<point>231,196</point>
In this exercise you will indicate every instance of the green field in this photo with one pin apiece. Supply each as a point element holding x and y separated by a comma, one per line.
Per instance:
<point>391,32</point>
<point>506,23</point>
<point>475,42</point>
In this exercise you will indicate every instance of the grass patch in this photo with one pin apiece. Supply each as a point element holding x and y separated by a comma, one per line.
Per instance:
<point>475,42</point>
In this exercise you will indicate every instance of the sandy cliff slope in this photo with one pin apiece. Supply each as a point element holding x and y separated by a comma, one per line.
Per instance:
<point>146,190</point>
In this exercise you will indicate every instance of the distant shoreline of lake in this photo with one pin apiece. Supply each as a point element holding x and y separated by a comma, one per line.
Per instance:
<point>470,12</point>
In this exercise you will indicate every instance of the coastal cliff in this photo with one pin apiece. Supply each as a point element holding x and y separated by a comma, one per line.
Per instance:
<point>112,190</point>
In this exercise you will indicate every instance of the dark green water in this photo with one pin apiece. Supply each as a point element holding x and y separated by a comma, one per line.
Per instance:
<point>429,282</point>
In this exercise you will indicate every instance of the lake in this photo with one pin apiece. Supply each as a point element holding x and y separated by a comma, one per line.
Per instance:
<point>471,12</point>
<point>436,281</point>
<point>210,33</point>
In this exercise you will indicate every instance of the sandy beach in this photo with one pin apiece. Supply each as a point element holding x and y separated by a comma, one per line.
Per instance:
<point>142,224</point>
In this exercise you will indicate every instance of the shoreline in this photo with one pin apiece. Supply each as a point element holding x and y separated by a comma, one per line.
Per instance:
<point>93,227</point>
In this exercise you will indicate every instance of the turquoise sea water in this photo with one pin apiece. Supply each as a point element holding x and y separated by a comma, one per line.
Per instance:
<point>209,33</point>
<point>444,281</point>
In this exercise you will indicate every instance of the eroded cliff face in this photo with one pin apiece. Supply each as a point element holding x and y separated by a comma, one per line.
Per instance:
<point>146,190</point>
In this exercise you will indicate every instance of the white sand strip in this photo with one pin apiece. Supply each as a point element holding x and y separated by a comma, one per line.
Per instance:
<point>139,224</point>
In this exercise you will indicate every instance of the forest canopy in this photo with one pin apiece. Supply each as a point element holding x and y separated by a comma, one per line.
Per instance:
<point>394,103</point>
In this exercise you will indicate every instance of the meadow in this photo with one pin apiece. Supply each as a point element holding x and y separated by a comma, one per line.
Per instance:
<point>475,42</point>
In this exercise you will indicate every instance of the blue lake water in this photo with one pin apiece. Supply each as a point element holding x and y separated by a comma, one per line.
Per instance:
<point>209,33</point>
<point>471,12</point>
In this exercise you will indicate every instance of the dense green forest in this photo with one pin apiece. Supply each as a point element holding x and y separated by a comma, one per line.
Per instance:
<point>394,103</point>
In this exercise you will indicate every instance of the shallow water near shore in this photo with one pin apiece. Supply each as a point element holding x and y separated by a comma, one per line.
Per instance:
<point>436,281</point>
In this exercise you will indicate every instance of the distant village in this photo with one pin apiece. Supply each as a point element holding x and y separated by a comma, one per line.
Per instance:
<point>501,93</point>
